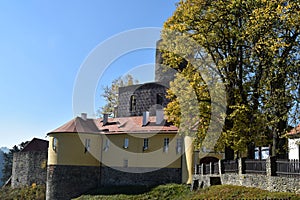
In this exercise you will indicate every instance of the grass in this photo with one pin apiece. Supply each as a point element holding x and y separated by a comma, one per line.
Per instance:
<point>180,192</point>
<point>169,191</point>
<point>35,192</point>
<point>240,192</point>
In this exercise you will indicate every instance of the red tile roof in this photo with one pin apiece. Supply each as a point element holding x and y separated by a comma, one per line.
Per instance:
<point>78,125</point>
<point>115,126</point>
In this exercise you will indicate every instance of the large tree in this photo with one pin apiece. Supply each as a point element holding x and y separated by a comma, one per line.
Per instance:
<point>110,93</point>
<point>254,46</point>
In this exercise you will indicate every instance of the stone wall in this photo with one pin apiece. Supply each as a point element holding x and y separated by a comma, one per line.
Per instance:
<point>66,182</point>
<point>28,168</point>
<point>271,183</point>
<point>268,181</point>
<point>146,99</point>
<point>110,176</point>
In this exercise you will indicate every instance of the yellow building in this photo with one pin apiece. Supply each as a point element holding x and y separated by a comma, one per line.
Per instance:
<point>141,150</point>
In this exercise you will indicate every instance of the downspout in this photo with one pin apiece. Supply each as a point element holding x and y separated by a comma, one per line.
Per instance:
<point>100,162</point>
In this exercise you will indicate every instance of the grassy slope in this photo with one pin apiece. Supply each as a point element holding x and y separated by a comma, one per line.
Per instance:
<point>27,193</point>
<point>173,191</point>
<point>170,191</point>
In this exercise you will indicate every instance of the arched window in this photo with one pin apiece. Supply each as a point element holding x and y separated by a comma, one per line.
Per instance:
<point>133,103</point>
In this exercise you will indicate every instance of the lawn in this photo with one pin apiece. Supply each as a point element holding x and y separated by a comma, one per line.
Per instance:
<point>169,191</point>
<point>175,191</point>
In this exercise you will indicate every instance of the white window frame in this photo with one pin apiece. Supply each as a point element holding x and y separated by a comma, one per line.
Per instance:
<point>178,145</point>
<point>126,143</point>
<point>125,163</point>
<point>166,144</point>
<point>54,144</point>
<point>146,144</point>
<point>87,145</point>
<point>107,144</point>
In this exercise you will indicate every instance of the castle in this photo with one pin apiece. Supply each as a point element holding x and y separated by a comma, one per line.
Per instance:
<point>137,147</point>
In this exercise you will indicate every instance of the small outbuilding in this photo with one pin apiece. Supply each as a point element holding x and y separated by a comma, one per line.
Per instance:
<point>294,143</point>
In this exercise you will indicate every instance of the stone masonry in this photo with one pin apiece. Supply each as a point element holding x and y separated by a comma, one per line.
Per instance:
<point>268,181</point>
<point>146,97</point>
<point>116,177</point>
<point>28,168</point>
<point>66,182</point>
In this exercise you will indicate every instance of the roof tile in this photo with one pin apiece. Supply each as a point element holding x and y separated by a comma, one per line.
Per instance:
<point>115,126</point>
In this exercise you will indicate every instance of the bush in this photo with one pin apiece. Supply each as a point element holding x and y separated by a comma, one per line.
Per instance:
<point>34,192</point>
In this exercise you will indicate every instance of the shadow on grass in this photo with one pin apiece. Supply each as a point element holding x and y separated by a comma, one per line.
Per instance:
<point>114,190</point>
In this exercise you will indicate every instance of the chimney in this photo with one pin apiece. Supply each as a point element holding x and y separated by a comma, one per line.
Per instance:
<point>145,118</point>
<point>115,111</point>
<point>159,116</point>
<point>105,119</point>
<point>84,116</point>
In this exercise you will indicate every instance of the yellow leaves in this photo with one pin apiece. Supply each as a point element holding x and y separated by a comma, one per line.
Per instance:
<point>252,44</point>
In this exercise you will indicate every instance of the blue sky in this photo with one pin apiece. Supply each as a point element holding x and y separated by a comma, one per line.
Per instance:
<point>44,43</point>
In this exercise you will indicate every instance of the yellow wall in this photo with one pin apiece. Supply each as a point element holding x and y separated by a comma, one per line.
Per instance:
<point>187,161</point>
<point>152,157</point>
<point>70,149</point>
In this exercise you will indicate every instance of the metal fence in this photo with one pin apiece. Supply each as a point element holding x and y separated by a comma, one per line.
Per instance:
<point>206,169</point>
<point>230,166</point>
<point>215,167</point>
<point>255,166</point>
<point>288,168</point>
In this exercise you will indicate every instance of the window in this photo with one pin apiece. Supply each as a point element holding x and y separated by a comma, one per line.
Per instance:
<point>106,146</point>
<point>178,145</point>
<point>166,144</point>
<point>261,153</point>
<point>133,103</point>
<point>125,163</point>
<point>159,98</point>
<point>87,145</point>
<point>54,144</point>
<point>126,143</point>
<point>146,144</point>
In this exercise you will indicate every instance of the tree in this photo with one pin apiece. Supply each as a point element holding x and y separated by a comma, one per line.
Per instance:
<point>8,160</point>
<point>254,46</point>
<point>111,93</point>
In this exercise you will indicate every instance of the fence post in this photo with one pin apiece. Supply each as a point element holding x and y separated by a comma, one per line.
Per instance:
<point>271,166</point>
<point>241,166</point>
<point>221,167</point>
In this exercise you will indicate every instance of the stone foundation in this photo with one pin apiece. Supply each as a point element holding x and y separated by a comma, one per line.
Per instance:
<point>115,177</point>
<point>66,182</point>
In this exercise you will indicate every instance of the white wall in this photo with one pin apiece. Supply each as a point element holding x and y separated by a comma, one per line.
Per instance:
<point>294,148</point>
